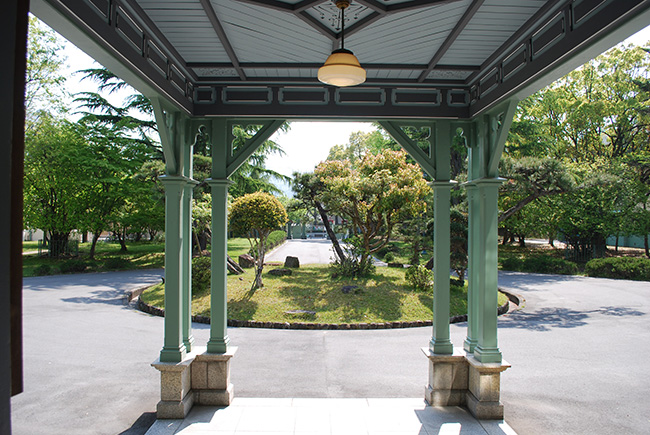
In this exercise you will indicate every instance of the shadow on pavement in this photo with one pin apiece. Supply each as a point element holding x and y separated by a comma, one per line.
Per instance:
<point>141,425</point>
<point>548,318</point>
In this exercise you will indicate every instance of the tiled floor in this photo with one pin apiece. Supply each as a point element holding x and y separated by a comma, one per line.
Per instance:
<point>329,416</point>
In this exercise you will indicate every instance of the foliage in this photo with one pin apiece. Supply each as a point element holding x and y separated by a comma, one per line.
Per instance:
<point>42,270</point>
<point>117,263</point>
<point>539,264</point>
<point>73,266</point>
<point>276,238</point>
<point>201,273</point>
<point>388,257</point>
<point>254,216</point>
<point>43,79</point>
<point>354,264</point>
<point>420,278</point>
<point>458,241</point>
<point>374,196</point>
<point>619,268</point>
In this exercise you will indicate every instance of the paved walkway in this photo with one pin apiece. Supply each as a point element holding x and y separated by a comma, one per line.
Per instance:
<point>308,251</point>
<point>577,352</point>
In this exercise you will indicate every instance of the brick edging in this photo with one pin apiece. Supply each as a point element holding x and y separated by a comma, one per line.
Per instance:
<point>150,309</point>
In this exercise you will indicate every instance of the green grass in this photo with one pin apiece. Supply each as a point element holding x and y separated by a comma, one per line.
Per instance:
<point>139,255</point>
<point>30,246</point>
<point>383,297</point>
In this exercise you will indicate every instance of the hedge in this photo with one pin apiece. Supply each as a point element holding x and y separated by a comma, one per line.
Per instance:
<point>633,268</point>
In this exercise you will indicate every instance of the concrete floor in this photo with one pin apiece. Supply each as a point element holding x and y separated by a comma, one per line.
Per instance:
<point>329,417</point>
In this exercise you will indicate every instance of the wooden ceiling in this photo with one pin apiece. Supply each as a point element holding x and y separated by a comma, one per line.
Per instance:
<point>436,58</point>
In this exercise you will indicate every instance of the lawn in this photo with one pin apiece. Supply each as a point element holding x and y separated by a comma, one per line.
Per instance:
<point>383,297</point>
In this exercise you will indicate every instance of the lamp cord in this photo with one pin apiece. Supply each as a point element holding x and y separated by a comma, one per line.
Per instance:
<point>342,28</point>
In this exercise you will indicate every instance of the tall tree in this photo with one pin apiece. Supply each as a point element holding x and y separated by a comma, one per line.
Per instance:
<point>373,197</point>
<point>44,92</point>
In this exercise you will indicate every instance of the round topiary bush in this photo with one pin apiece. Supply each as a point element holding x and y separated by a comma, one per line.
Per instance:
<point>117,263</point>
<point>73,266</point>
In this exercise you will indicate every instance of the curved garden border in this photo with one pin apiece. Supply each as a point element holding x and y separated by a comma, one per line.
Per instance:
<point>150,309</point>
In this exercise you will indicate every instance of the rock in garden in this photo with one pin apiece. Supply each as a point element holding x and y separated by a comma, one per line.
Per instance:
<point>246,261</point>
<point>280,272</point>
<point>292,262</point>
<point>311,313</point>
<point>429,264</point>
<point>349,289</point>
<point>397,265</point>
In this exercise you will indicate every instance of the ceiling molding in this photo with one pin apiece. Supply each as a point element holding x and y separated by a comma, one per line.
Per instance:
<point>462,23</point>
<point>371,66</point>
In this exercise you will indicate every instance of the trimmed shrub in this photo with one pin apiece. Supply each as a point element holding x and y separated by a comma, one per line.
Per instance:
<point>201,273</point>
<point>420,278</point>
<point>73,266</point>
<point>275,238</point>
<point>547,264</point>
<point>117,263</point>
<point>637,269</point>
<point>389,257</point>
<point>42,270</point>
<point>539,264</point>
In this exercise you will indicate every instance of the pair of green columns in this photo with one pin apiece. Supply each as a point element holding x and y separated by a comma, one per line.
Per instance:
<point>178,133</point>
<point>485,139</point>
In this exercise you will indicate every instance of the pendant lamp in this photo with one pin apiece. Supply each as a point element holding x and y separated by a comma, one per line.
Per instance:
<point>342,68</point>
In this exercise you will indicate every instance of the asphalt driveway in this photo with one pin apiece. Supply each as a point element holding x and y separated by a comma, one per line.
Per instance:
<point>578,352</point>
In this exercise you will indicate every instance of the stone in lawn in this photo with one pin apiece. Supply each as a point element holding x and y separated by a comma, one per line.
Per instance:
<point>246,261</point>
<point>300,312</point>
<point>350,289</point>
<point>292,262</point>
<point>280,272</point>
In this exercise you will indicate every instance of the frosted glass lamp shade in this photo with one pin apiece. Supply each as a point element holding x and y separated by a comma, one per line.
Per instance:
<point>342,69</point>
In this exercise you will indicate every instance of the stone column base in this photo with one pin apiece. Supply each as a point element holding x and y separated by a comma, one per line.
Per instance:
<point>447,378</point>
<point>201,378</point>
<point>461,380</point>
<point>175,388</point>
<point>211,378</point>
<point>484,389</point>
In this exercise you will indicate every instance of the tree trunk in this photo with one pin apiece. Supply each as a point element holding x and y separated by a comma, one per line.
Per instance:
<point>58,244</point>
<point>330,232</point>
<point>616,246</point>
<point>121,237</point>
<point>522,241</point>
<point>93,245</point>
<point>647,247</point>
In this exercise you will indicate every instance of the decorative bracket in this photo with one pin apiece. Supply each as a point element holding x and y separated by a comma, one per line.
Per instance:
<point>236,157</point>
<point>426,160</point>
<point>499,126</point>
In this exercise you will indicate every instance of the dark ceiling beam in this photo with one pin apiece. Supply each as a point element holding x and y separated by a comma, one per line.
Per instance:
<point>278,65</point>
<point>305,4</point>
<point>288,81</point>
<point>374,5</point>
<point>548,8</point>
<point>313,22</point>
<point>221,34</point>
<point>462,23</point>
<point>416,4</point>
<point>272,4</point>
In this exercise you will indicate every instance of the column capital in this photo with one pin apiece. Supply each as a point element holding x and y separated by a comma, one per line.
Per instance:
<point>173,179</point>
<point>437,184</point>
<point>486,181</point>
<point>218,182</point>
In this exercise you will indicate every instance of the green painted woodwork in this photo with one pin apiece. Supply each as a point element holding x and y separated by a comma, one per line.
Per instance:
<point>424,159</point>
<point>440,340</point>
<point>219,339</point>
<point>186,263</point>
<point>474,255</point>
<point>487,350</point>
<point>173,349</point>
<point>237,157</point>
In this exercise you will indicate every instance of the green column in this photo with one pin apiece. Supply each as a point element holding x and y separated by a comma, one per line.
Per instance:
<point>440,341</point>
<point>186,263</point>
<point>474,254</point>
<point>219,339</point>
<point>487,350</point>
<point>173,349</point>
